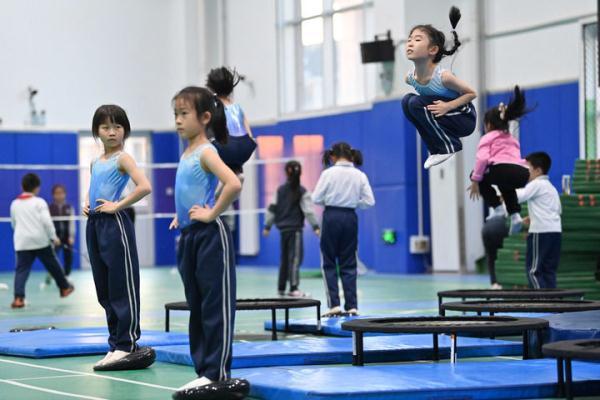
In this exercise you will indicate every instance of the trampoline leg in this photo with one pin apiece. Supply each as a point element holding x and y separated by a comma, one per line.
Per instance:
<point>287,319</point>
<point>167,322</point>
<point>274,325</point>
<point>525,344</point>
<point>540,343</point>
<point>357,349</point>
<point>561,378</point>
<point>436,348</point>
<point>453,348</point>
<point>440,305</point>
<point>318,318</point>
<point>568,379</point>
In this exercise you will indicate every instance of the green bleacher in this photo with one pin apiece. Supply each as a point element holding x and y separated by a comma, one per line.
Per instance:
<point>580,241</point>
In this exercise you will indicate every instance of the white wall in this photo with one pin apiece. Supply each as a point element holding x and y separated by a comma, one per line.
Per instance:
<point>533,58</point>
<point>81,54</point>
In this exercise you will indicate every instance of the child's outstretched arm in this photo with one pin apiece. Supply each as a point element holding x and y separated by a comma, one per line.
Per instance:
<point>142,187</point>
<point>467,94</point>
<point>231,187</point>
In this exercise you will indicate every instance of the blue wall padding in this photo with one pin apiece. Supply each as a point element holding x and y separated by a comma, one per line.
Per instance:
<point>165,149</point>
<point>575,325</point>
<point>388,143</point>
<point>553,126</point>
<point>339,350</point>
<point>73,342</point>
<point>36,148</point>
<point>518,379</point>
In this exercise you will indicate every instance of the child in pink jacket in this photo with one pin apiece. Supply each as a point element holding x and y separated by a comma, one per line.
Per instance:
<point>498,162</point>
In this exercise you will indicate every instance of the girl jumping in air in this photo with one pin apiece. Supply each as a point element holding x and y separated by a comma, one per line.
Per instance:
<point>498,161</point>
<point>442,110</point>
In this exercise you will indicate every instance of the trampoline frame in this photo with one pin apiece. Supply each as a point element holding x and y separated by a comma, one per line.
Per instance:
<point>495,306</point>
<point>564,355</point>
<point>280,304</point>
<point>493,294</point>
<point>520,325</point>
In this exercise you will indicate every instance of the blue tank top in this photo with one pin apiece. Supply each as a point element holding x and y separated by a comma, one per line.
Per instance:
<point>434,87</point>
<point>193,185</point>
<point>235,120</point>
<point>107,182</point>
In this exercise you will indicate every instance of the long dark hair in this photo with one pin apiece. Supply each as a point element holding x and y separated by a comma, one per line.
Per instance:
<point>222,80</point>
<point>498,117</point>
<point>437,37</point>
<point>342,150</point>
<point>204,100</point>
<point>293,170</point>
<point>113,114</point>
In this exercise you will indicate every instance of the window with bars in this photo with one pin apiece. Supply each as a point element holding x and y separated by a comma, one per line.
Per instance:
<point>591,105</point>
<point>319,53</point>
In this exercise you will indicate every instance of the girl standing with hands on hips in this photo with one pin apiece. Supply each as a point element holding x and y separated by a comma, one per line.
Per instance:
<point>111,242</point>
<point>206,258</point>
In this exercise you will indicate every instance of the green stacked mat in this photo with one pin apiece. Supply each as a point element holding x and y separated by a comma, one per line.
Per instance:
<point>580,242</point>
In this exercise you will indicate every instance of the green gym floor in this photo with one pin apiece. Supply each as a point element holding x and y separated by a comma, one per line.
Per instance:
<point>73,377</point>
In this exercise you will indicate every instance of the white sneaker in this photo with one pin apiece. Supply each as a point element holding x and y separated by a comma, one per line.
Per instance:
<point>353,312</point>
<point>436,159</point>
<point>496,286</point>
<point>117,355</point>
<point>297,293</point>
<point>196,383</point>
<point>104,360</point>
<point>496,212</point>
<point>516,223</point>
<point>333,312</point>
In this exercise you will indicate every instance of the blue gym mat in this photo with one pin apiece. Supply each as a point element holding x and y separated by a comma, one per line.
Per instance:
<point>73,342</point>
<point>339,350</point>
<point>575,325</point>
<point>463,380</point>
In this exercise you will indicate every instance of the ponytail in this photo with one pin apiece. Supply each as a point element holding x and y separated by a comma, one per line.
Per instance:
<point>342,150</point>
<point>222,80</point>
<point>218,122</point>
<point>293,170</point>
<point>498,117</point>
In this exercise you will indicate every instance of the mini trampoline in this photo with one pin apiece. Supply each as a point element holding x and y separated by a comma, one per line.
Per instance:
<point>490,294</point>
<point>485,326</point>
<point>564,352</point>
<point>258,304</point>
<point>520,306</point>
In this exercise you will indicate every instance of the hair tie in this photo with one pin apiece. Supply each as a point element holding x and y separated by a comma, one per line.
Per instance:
<point>502,110</point>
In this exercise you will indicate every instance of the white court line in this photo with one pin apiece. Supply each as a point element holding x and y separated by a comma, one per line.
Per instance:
<point>112,378</point>
<point>79,396</point>
<point>45,377</point>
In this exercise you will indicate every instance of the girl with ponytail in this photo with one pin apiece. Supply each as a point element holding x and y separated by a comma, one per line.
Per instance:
<point>342,189</point>
<point>292,203</point>
<point>205,254</point>
<point>442,110</point>
<point>498,161</point>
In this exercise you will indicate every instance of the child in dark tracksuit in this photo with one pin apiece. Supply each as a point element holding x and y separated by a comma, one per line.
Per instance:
<point>65,230</point>
<point>544,239</point>
<point>341,189</point>
<point>110,235</point>
<point>291,204</point>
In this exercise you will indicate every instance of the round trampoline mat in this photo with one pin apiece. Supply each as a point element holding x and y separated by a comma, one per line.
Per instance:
<point>522,305</point>
<point>459,324</point>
